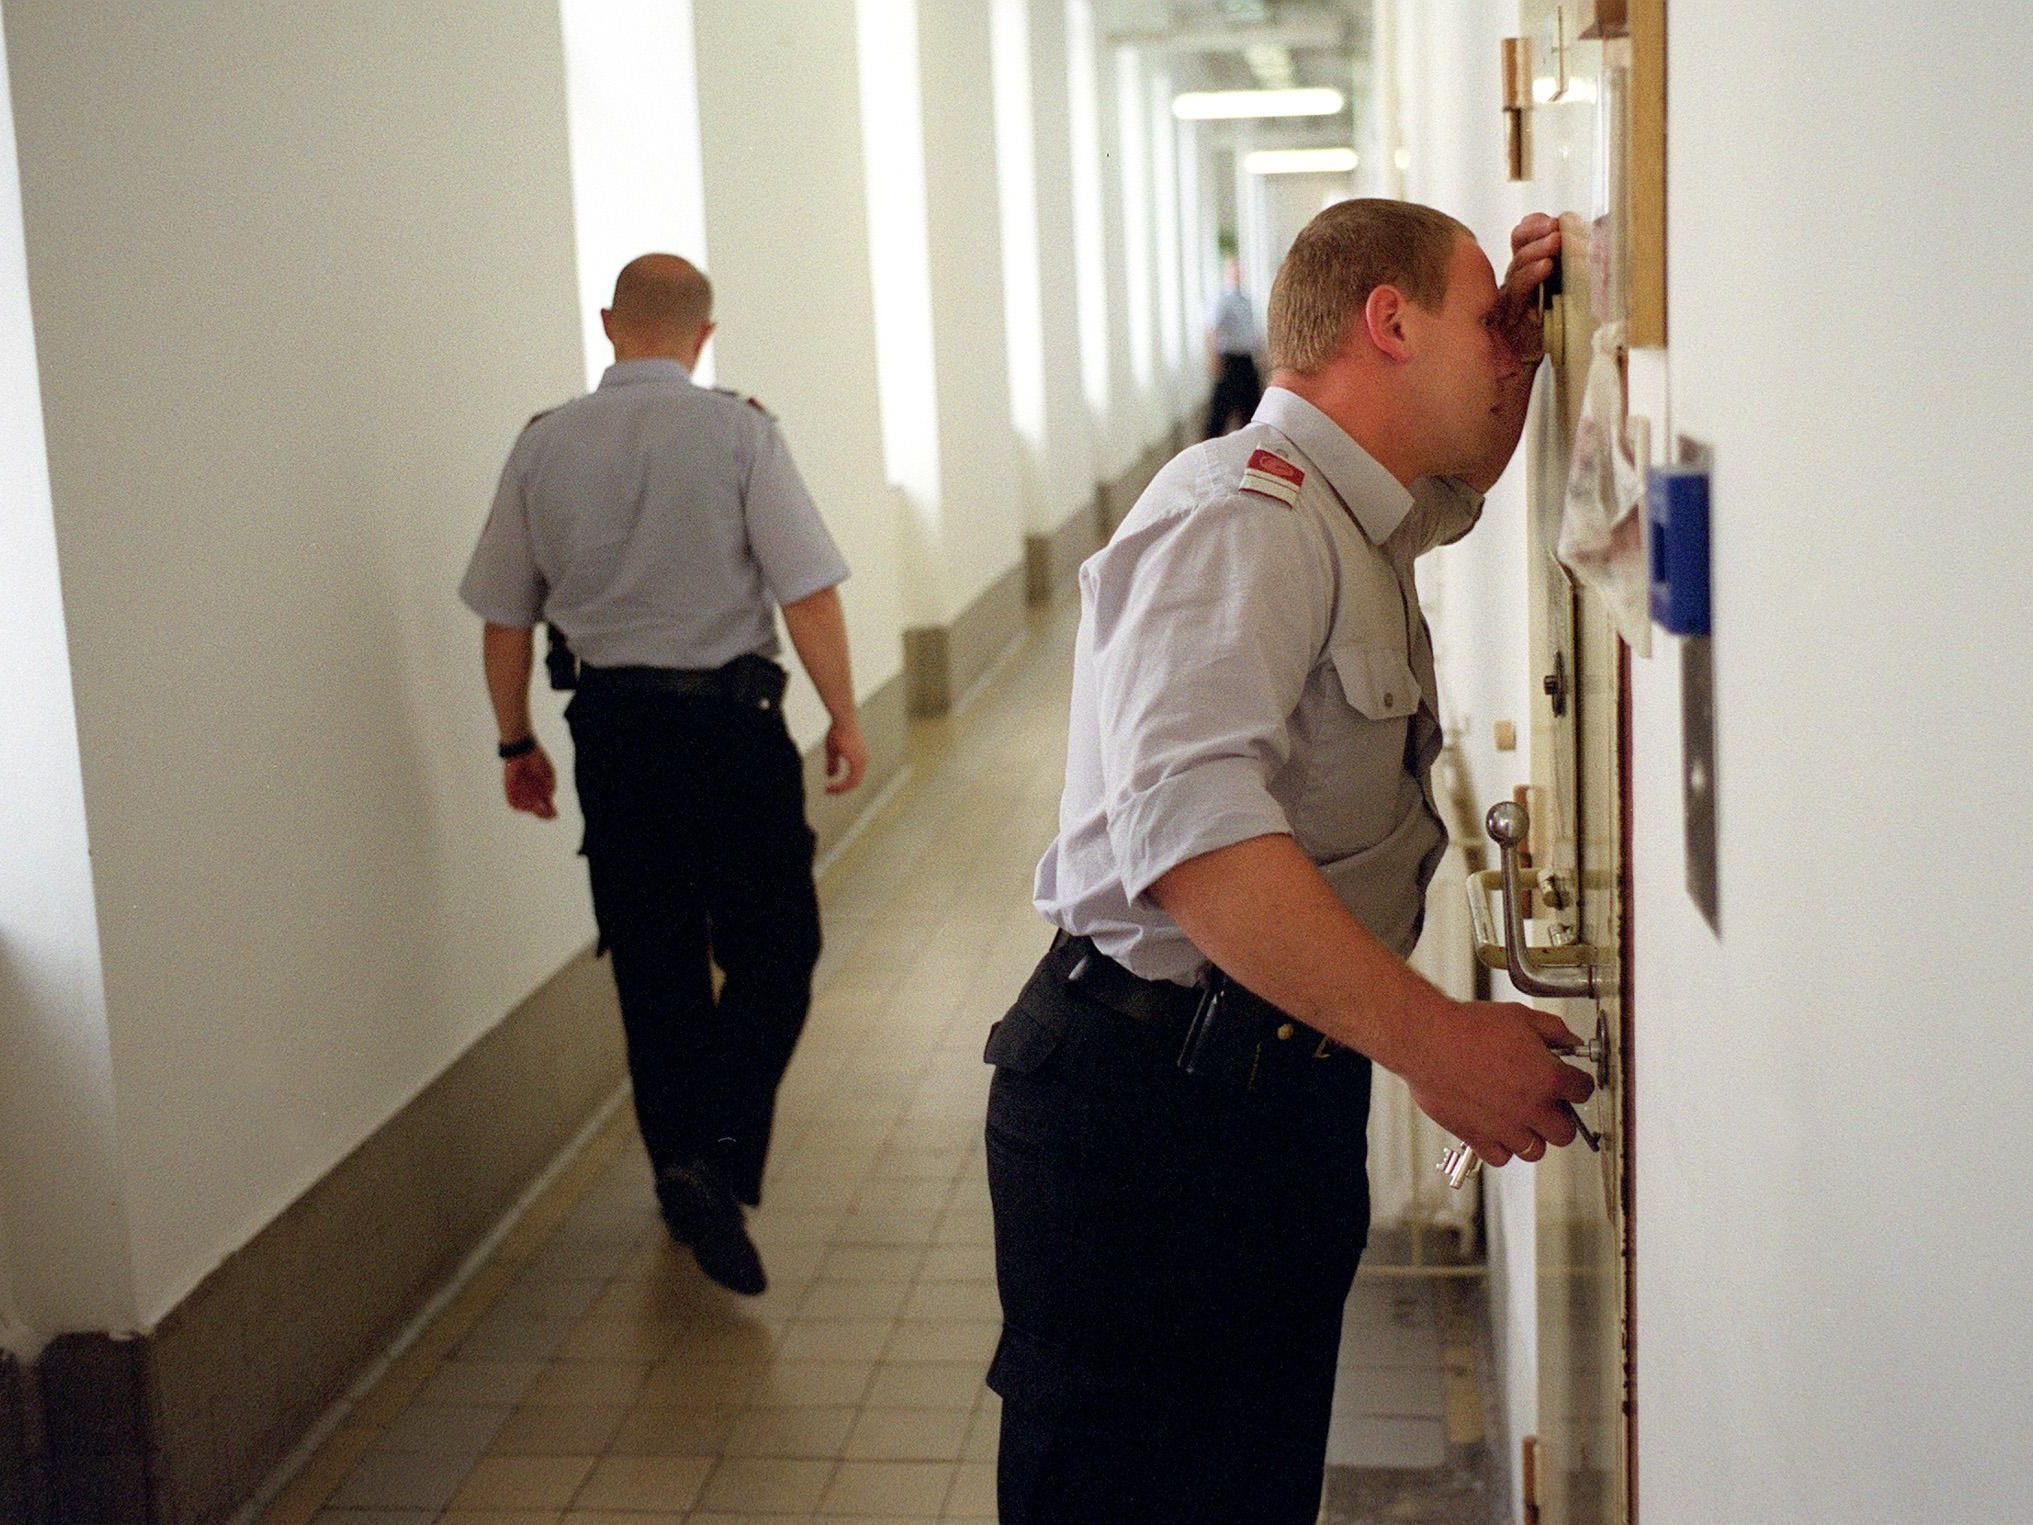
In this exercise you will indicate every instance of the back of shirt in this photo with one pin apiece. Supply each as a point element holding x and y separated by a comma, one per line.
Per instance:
<point>654,522</point>
<point>1232,322</point>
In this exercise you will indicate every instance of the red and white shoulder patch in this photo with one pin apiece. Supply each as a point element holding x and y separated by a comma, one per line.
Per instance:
<point>1273,476</point>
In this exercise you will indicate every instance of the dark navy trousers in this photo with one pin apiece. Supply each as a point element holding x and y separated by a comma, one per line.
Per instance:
<point>1237,391</point>
<point>699,854</point>
<point>1173,1255</point>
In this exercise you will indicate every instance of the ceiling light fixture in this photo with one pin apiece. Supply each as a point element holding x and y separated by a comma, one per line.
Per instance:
<point>1234,105</point>
<point>1300,161</point>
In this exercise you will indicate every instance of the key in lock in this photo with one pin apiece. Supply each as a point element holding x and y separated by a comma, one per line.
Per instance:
<point>1460,1162</point>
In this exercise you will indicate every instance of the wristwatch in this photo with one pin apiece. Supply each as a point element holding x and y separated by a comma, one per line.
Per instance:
<point>508,750</point>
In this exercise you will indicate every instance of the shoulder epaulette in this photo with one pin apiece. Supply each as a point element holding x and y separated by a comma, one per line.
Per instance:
<point>1272,476</point>
<point>753,402</point>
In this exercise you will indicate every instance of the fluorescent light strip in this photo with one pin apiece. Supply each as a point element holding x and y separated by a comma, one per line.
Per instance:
<point>1300,161</point>
<point>1233,105</point>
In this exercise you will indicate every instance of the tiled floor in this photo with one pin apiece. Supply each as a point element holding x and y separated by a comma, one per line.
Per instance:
<point>1408,1444</point>
<point>589,1374</point>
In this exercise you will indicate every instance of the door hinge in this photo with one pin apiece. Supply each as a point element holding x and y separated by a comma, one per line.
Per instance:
<point>1517,72</point>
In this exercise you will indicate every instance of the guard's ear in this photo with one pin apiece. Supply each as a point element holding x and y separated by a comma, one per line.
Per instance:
<point>1384,317</point>
<point>607,321</point>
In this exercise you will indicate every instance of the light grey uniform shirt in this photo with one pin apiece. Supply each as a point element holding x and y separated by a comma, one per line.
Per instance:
<point>1232,322</point>
<point>653,522</point>
<point>1251,661</point>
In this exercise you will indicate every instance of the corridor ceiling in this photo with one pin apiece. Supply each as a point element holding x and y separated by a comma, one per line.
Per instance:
<point>1252,45</point>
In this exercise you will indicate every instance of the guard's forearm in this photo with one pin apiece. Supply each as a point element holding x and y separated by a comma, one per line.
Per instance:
<point>818,627</point>
<point>506,656</point>
<point>1262,912</point>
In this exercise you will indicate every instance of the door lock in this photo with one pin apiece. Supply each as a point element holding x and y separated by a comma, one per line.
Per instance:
<point>1595,1051</point>
<point>1555,684</point>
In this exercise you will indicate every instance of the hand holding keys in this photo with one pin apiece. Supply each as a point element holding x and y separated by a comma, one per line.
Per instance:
<point>1460,1162</point>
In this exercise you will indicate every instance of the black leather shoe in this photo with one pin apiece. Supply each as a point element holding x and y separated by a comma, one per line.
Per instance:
<point>701,1213</point>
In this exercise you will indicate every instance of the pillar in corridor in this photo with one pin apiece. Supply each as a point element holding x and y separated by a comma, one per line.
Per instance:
<point>63,1223</point>
<point>1034,152</point>
<point>1100,371</point>
<point>782,169</point>
<point>1126,427</point>
<point>631,92</point>
<point>1200,236</point>
<point>1255,231</point>
<point>1178,372</point>
<point>1147,149</point>
<point>1139,270</point>
<point>936,241</point>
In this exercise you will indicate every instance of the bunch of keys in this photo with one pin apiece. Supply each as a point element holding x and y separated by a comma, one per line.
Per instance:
<point>1461,1162</point>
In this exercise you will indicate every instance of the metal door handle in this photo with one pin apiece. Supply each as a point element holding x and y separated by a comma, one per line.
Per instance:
<point>1563,971</point>
<point>1486,886</point>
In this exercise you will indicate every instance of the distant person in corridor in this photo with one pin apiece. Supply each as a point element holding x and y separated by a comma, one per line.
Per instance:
<point>1175,1127</point>
<point>1231,354</point>
<point>655,524</point>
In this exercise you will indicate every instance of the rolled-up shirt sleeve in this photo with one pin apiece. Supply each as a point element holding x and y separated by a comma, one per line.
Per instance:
<point>503,583</point>
<point>791,543</point>
<point>1200,660</point>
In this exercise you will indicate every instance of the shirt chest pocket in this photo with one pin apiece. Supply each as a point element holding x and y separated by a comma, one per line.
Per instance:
<point>1348,777</point>
<point>1376,680</point>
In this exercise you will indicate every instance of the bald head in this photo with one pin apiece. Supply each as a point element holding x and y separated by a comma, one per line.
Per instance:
<point>663,306</point>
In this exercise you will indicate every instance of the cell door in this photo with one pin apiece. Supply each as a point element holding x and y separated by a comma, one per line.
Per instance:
<point>1571,81</point>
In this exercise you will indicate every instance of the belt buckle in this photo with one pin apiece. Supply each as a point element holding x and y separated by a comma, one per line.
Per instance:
<point>1287,1030</point>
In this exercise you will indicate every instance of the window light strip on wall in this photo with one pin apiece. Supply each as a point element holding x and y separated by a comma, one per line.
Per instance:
<point>1229,105</point>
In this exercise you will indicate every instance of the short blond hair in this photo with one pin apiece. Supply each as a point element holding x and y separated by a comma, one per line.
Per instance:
<point>1340,257</point>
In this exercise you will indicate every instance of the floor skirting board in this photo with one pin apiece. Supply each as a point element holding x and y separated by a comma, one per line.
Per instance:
<point>941,662</point>
<point>177,1425</point>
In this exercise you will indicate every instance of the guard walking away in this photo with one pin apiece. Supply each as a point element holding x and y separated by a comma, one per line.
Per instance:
<point>1176,1123</point>
<point>654,525</point>
<point>1231,354</point>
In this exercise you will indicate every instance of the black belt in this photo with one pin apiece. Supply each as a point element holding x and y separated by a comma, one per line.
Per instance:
<point>1101,979</point>
<point>1221,1024</point>
<point>748,680</point>
<point>653,680</point>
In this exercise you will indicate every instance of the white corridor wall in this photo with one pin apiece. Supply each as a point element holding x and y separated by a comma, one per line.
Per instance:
<point>296,288</point>
<point>1834,1309</point>
<point>1835,1304</point>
